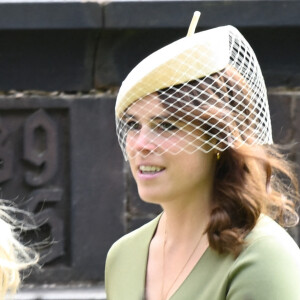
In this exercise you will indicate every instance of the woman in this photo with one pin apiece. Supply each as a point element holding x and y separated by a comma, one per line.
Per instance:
<point>193,121</point>
<point>14,256</point>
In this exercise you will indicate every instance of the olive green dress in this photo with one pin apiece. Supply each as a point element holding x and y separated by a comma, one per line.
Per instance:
<point>267,269</point>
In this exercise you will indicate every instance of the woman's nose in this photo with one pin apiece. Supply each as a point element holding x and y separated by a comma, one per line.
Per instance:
<point>144,141</point>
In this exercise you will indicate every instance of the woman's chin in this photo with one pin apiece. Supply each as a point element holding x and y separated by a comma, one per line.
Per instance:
<point>151,198</point>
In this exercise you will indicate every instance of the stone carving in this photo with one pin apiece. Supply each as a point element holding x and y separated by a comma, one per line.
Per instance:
<point>40,147</point>
<point>6,154</point>
<point>28,166</point>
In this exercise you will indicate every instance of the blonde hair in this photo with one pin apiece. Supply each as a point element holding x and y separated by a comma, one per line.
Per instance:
<point>14,256</point>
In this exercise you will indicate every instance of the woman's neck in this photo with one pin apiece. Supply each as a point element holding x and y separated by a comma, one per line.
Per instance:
<point>185,222</point>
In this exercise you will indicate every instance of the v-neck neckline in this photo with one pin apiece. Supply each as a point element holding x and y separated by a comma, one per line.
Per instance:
<point>205,253</point>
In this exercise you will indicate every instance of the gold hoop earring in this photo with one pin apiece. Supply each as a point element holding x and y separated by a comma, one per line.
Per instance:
<point>218,155</point>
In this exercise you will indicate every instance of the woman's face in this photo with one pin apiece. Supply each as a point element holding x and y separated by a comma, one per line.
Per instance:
<point>162,170</point>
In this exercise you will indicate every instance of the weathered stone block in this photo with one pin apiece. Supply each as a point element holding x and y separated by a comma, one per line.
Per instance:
<point>60,160</point>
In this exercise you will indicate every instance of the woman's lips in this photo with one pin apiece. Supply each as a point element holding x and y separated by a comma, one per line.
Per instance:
<point>149,171</point>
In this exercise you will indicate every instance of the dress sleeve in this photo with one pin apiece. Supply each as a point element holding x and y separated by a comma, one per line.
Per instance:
<point>110,269</point>
<point>106,276</point>
<point>266,270</point>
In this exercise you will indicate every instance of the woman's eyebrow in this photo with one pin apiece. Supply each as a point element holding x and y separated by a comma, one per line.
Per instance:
<point>163,118</point>
<point>128,116</point>
<point>153,118</point>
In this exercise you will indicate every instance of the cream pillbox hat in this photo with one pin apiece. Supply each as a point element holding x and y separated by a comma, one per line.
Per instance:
<point>157,70</point>
<point>226,76</point>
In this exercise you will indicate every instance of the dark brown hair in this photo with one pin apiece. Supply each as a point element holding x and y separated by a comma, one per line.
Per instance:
<point>249,179</point>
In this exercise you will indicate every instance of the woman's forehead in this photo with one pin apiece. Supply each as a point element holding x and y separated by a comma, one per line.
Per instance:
<point>146,106</point>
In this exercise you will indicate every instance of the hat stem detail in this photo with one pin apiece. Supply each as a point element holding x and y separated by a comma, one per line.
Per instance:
<point>194,23</point>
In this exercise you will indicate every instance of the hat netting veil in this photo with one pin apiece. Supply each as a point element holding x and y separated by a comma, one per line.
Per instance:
<point>211,94</point>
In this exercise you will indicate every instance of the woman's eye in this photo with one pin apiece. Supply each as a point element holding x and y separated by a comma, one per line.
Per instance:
<point>167,126</point>
<point>132,125</point>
